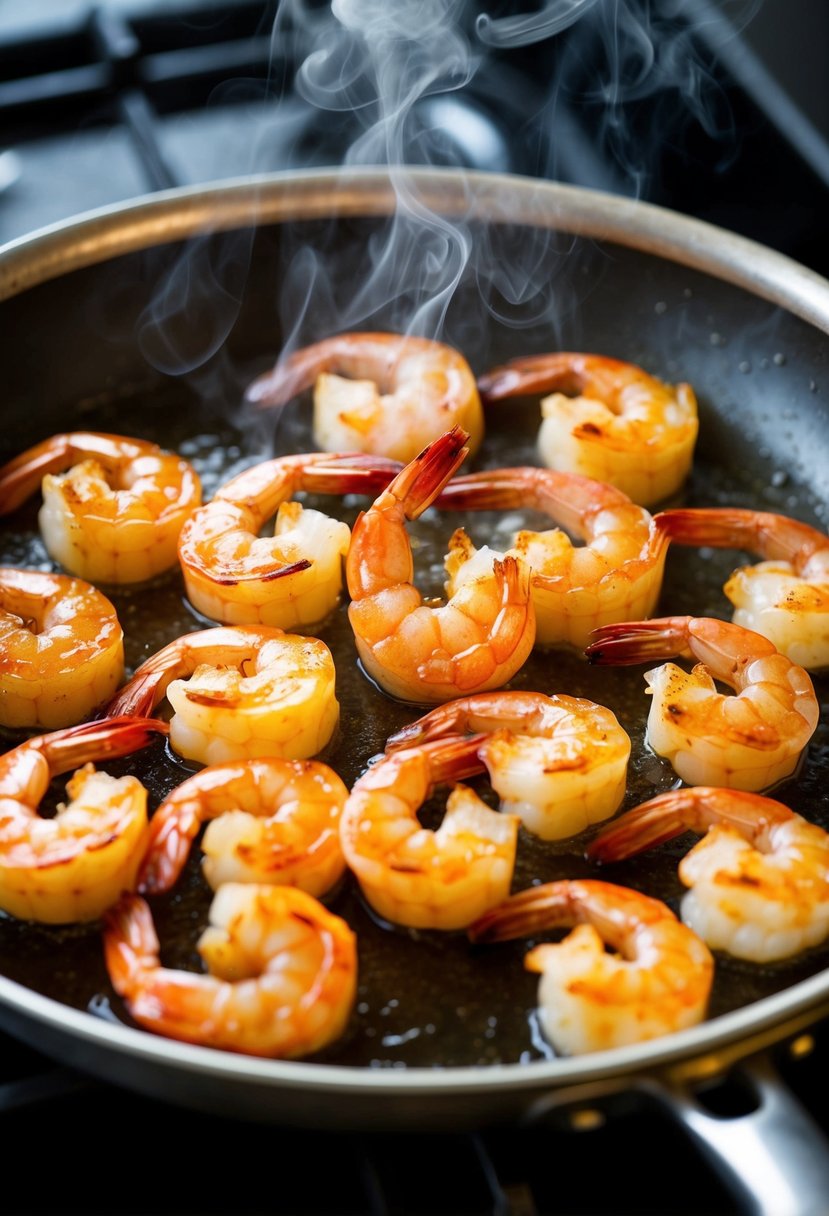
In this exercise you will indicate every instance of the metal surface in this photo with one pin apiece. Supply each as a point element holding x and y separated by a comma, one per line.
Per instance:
<point>320,1094</point>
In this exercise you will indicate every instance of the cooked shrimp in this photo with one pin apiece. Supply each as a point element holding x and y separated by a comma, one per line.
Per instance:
<point>410,875</point>
<point>269,821</point>
<point>786,598</point>
<point>559,763</point>
<point>381,393</point>
<point>478,640</point>
<point>282,973</point>
<point>658,981</point>
<point>62,649</point>
<point>115,516</point>
<point>758,880</point>
<point>292,579</point>
<point>251,692</point>
<point>615,575</point>
<point>609,420</point>
<point>75,865</point>
<point>749,741</point>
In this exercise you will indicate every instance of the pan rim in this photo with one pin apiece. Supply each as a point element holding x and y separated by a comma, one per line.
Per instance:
<point>273,198</point>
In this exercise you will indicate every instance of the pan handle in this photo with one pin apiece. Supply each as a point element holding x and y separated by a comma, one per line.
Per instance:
<point>775,1159</point>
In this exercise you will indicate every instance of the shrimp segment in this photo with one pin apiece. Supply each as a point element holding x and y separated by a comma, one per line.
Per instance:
<point>749,741</point>
<point>75,865</point>
<point>251,692</point>
<point>478,640</point>
<point>62,649</point>
<point>269,821</point>
<point>293,579</point>
<point>785,598</point>
<point>115,516</point>
<point>379,393</point>
<point>282,973</point>
<point>559,763</point>
<point>659,980</point>
<point>608,420</point>
<point>758,880</point>
<point>410,875</point>
<point>615,575</point>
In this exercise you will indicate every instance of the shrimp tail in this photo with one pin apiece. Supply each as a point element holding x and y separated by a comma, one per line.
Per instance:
<point>350,473</point>
<point>100,740</point>
<point>550,905</point>
<point>419,483</point>
<point>288,377</point>
<point>140,695</point>
<point>628,642</point>
<point>526,376</point>
<point>168,847</point>
<point>696,810</point>
<point>130,942</point>
<point>763,532</point>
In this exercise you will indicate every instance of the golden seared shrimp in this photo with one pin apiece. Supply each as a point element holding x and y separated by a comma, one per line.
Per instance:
<point>282,973</point>
<point>269,821</point>
<point>749,741</point>
<point>62,649</point>
<point>607,419</point>
<point>292,579</point>
<point>559,763</point>
<point>657,981</point>
<point>75,865</point>
<point>477,640</point>
<point>115,516</point>
<point>616,575</point>
<point>410,875</point>
<point>385,394</point>
<point>758,880</point>
<point>785,598</point>
<point>251,692</point>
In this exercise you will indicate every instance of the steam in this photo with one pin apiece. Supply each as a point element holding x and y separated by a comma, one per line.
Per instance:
<point>384,83</point>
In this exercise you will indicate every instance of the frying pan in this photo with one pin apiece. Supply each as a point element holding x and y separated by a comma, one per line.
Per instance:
<point>150,318</point>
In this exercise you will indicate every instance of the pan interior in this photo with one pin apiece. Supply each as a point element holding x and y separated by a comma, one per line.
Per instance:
<point>425,999</point>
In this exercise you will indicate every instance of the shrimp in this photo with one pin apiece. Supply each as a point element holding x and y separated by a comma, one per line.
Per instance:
<point>282,973</point>
<point>252,692</point>
<point>62,649</point>
<point>786,598</point>
<point>749,741</point>
<point>270,821</point>
<point>478,640</point>
<point>293,579</point>
<point>75,865</point>
<point>609,420</point>
<point>115,516</point>
<point>758,880</point>
<point>559,763</point>
<point>658,981</point>
<point>384,394</point>
<point>616,575</point>
<point>410,875</point>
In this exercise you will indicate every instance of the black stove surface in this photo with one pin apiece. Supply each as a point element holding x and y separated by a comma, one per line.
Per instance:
<point>102,104</point>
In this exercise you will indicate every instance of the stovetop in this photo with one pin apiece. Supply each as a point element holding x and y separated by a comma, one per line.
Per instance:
<point>103,104</point>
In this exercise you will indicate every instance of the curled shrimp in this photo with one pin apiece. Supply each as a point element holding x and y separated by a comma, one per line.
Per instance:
<point>477,640</point>
<point>607,419</point>
<point>292,579</point>
<point>657,981</point>
<point>615,575</point>
<point>251,691</point>
<point>115,516</point>
<point>785,598</point>
<point>62,649</point>
<point>282,973</point>
<point>269,821</point>
<point>559,763</point>
<point>749,741</point>
<point>384,394</point>
<point>75,865</point>
<point>442,879</point>
<point>759,878</point>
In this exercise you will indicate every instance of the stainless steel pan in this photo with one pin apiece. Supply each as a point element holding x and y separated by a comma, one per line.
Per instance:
<point>91,310</point>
